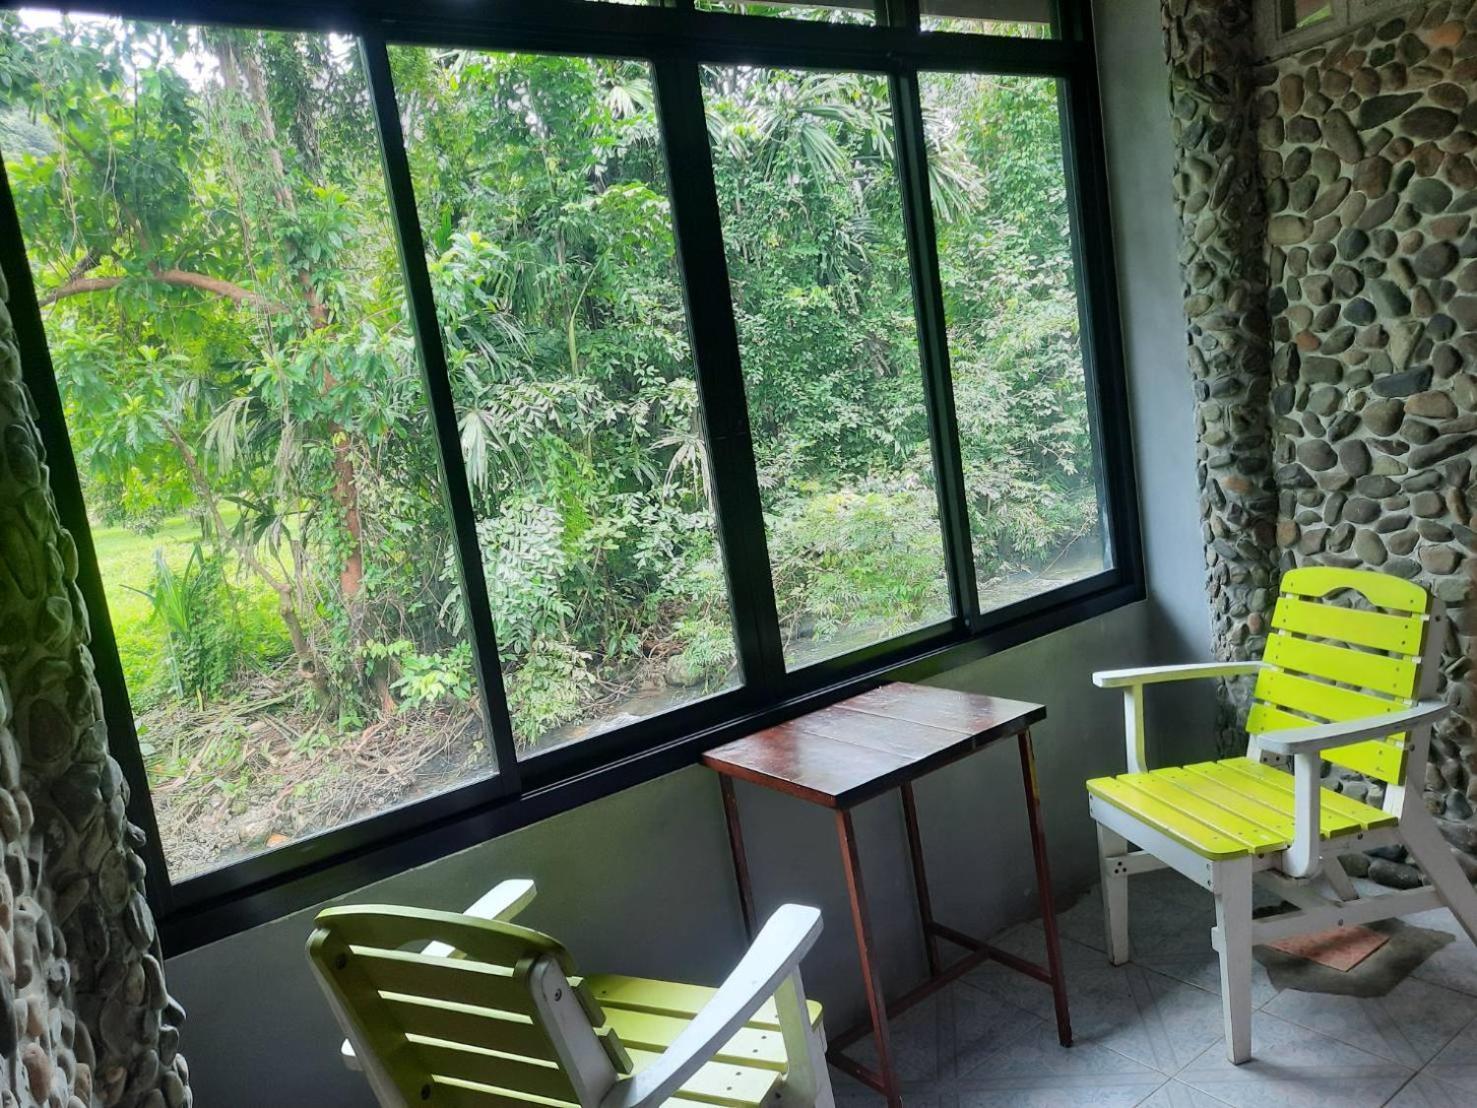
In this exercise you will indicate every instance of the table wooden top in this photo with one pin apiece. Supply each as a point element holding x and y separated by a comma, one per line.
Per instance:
<point>857,748</point>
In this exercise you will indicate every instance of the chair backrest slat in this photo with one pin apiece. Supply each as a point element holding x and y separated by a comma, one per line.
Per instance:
<point>1381,673</point>
<point>1318,699</point>
<point>495,1069</point>
<point>454,979</point>
<point>1375,630</point>
<point>465,1023</point>
<point>1331,662</point>
<point>455,1030</point>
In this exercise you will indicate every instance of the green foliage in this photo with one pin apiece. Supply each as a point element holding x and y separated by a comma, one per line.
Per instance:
<point>208,227</point>
<point>194,608</point>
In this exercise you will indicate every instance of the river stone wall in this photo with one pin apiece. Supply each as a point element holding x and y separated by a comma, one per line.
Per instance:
<point>1218,194</point>
<point>84,1016</point>
<point>1369,163</point>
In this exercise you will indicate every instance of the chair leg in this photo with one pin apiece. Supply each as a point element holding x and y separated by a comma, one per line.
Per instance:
<point>1111,846</point>
<point>1338,880</point>
<point>1434,857</point>
<point>807,1081</point>
<point>1232,887</point>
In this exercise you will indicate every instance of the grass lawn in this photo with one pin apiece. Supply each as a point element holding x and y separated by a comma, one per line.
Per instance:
<point>126,560</point>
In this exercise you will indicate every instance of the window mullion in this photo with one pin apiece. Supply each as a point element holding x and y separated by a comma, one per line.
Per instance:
<point>427,332</point>
<point>1092,256</point>
<point>933,338</point>
<point>700,253</point>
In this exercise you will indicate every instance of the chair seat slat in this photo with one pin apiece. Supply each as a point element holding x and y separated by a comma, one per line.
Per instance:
<point>674,998</point>
<point>720,1082</point>
<point>1330,822</point>
<point>1200,837</point>
<point>1262,808</point>
<point>1189,802</point>
<point>1363,815</point>
<point>651,1032</point>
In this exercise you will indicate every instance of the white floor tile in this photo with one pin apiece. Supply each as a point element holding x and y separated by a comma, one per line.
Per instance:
<point>1176,1094</point>
<point>1152,1019</point>
<point>1292,1067</point>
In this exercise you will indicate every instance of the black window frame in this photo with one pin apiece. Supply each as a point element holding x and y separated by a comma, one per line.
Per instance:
<point>676,41</point>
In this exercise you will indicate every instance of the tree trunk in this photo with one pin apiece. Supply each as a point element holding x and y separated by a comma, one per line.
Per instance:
<point>243,72</point>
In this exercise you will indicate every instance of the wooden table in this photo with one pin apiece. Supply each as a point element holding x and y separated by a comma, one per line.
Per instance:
<point>857,749</point>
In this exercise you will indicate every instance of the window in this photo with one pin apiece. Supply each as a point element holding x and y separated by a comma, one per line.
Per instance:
<point>471,419</point>
<point>818,269</point>
<point>543,199</point>
<point>1297,14</point>
<point>1009,18</point>
<point>1010,298</point>
<point>837,12</point>
<point>227,326</point>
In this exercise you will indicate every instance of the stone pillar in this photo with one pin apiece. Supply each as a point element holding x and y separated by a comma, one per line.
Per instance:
<point>84,1016</point>
<point>1218,193</point>
<point>1369,157</point>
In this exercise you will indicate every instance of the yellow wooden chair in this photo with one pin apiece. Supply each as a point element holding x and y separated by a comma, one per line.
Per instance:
<point>1353,685</point>
<point>472,1011</point>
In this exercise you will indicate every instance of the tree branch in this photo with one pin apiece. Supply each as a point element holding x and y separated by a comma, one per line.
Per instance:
<point>179,278</point>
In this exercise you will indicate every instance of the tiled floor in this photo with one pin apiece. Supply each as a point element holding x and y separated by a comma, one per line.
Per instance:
<point>1149,1033</point>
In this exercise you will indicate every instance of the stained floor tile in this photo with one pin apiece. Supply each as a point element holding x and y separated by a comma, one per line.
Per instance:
<point>1410,1025</point>
<point>1454,965</point>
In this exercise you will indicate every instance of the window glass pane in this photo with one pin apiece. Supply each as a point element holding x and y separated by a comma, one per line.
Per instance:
<point>839,12</point>
<point>208,230</point>
<point>543,197</point>
<point>1295,14</point>
<point>818,266</point>
<point>1010,294</point>
<point>1008,18</point>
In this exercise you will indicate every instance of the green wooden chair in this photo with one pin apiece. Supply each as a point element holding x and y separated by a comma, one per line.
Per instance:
<point>1355,685</point>
<point>472,1011</point>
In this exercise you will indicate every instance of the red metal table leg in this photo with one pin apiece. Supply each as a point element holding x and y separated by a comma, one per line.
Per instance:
<point>736,846</point>
<point>871,980</point>
<point>920,878</point>
<point>1043,889</point>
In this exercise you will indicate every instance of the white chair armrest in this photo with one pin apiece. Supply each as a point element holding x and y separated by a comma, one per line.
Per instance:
<point>773,956</point>
<point>1158,675</point>
<point>1132,682</point>
<point>502,902</point>
<point>1305,744</point>
<point>1321,736</point>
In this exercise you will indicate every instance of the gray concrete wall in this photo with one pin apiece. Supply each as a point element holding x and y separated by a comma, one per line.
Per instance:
<point>1134,84</point>
<point>641,883</point>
